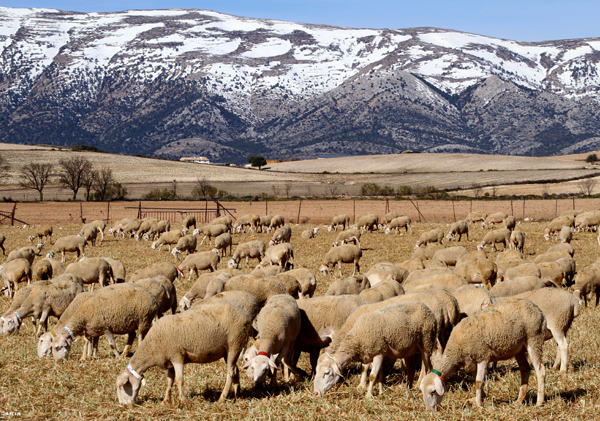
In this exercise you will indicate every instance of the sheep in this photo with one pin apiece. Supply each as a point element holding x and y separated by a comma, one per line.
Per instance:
<point>277,221</point>
<point>517,241</point>
<point>241,299</point>
<point>501,235</point>
<point>164,292</point>
<point>427,252</point>
<point>550,257</point>
<point>569,269</point>
<point>267,271</point>
<point>469,257</point>
<point>503,265</point>
<point>281,235</point>
<point>352,285</point>
<point>562,248</point>
<point>449,300</point>
<point>42,302</point>
<point>449,255</point>
<point>119,225</point>
<point>451,281</point>
<point>222,242</point>
<point>117,268</point>
<point>384,271</point>
<point>261,288</point>
<point>18,299</point>
<point>556,225</point>
<point>290,283</point>
<point>495,218</point>
<point>89,234</point>
<point>280,254</point>
<point>243,222</point>
<point>198,290</point>
<point>382,291</point>
<point>479,271</point>
<point>15,271</point>
<point>342,220</point>
<point>200,261</point>
<point>368,222</point>
<point>566,235</point>
<point>27,253</point>
<point>121,310</point>
<point>525,269</point>
<point>216,285</point>
<point>510,223</point>
<point>351,235</point>
<point>249,250</point>
<point>388,217</point>
<point>472,299</point>
<point>501,331</point>
<point>397,223</point>
<point>509,254</point>
<point>168,270</point>
<point>425,273</point>
<point>188,221</point>
<point>309,233</point>
<point>433,236</point>
<point>517,286</point>
<point>255,222</point>
<point>46,268</point>
<point>343,254</point>
<point>145,227</point>
<point>278,323</point>
<point>459,228</point>
<point>186,243</point>
<point>551,274</point>
<point>131,228</point>
<point>411,265</point>
<point>211,231</point>
<point>44,232</point>
<point>169,238</point>
<point>397,331</point>
<point>101,225</point>
<point>587,221</point>
<point>263,222</point>
<point>2,240</point>
<point>69,243</point>
<point>307,280</point>
<point>587,281</point>
<point>204,335</point>
<point>157,229</point>
<point>224,220</point>
<point>430,264</point>
<point>478,216</point>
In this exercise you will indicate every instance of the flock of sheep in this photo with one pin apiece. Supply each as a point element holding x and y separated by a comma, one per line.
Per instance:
<point>445,309</point>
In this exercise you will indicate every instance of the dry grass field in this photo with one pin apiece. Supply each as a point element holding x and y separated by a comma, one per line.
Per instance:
<point>40,389</point>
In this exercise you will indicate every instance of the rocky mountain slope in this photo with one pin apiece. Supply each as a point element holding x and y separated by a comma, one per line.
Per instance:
<point>187,82</point>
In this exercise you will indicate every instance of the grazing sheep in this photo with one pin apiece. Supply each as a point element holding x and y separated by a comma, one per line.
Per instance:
<point>396,331</point>
<point>479,271</point>
<point>18,299</point>
<point>144,228</point>
<point>509,254</point>
<point>186,243</point>
<point>433,236</point>
<point>399,222</point>
<point>281,235</point>
<point>27,253</point>
<point>243,222</point>
<point>157,229</point>
<point>121,310</point>
<point>382,291</point>
<point>90,234</point>
<point>117,268</point>
<point>501,235</point>
<point>211,231</point>
<point>451,281</point>
<point>46,269</point>
<point>430,264</point>
<point>307,280</point>
<point>264,222</point>
<point>388,217</point>
<point>562,248</point>
<point>309,233</point>
<point>13,272</point>
<point>427,252</point>
<point>587,282</point>
<point>551,257</point>
<point>517,286</point>
<point>168,270</point>
<point>290,283</point>
<point>131,228</point>
<point>352,285</point>
<point>69,243</point>
<point>215,286</point>
<point>261,288</point>
<point>351,235</point>
<point>504,265</point>
<point>566,235</point>
<point>92,270</point>
<point>280,254</point>
<point>41,233</point>
<point>525,269</point>
<point>203,335</point>
<point>557,224</point>
<point>342,220</point>
<point>343,254</point>
<point>368,222</point>
<point>279,324</point>
<point>248,250</point>
<point>225,220</point>
<point>222,242</point>
<point>449,300</point>
<point>469,257</point>
<point>478,216</point>
<point>587,222</point>
<point>385,271</point>
<point>241,299</point>
<point>411,265</point>
<point>198,290</point>
<point>551,274</point>
<point>472,299</point>
<point>267,271</point>
<point>188,221</point>
<point>169,238</point>
<point>501,331</point>
<point>495,218</point>
<point>569,269</point>
<point>517,241</point>
<point>425,273</point>
<point>119,225</point>
<point>510,223</point>
<point>459,228</point>
<point>164,292</point>
<point>449,255</point>
<point>200,261</point>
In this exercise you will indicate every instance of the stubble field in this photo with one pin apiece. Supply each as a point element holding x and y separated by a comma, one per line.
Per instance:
<point>41,389</point>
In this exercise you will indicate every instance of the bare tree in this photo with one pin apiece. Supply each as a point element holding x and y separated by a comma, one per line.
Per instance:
<point>4,169</point>
<point>36,176</point>
<point>174,188</point>
<point>72,173</point>
<point>545,189</point>
<point>477,190</point>
<point>102,183</point>
<point>287,187</point>
<point>494,190</point>
<point>202,188</point>
<point>88,183</point>
<point>332,189</point>
<point>587,186</point>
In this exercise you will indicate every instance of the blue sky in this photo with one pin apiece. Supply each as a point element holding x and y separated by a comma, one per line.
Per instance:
<point>525,20</point>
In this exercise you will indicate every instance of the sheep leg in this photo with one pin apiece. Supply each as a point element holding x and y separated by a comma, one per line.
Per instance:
<point>202,242</point>
<point>535,351</point>
<point>84,352</point>
<point>525,370</point>
<point>232,375</point>
<point>43,322</point>
<point>375,375</point>
<point>111,340</point>
<point>410,370</point>
<point>170,379</point>
<point>363,376</point>
<point>178,368</point>
<point>562,352</point>
<point>479,379</point>
<point>130,339</point>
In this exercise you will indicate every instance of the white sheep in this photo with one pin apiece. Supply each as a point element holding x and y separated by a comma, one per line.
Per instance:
<point>517,286</point>
<point>472,299</point>
<point>433,236</point>
<point>186,243</point>
<point>557,224</point>
<point>369,222</point>
<point>198,290</point>
<point>494,237</point>
<point>89,234</point>
<point>342,220</point>
<point>262,288</point>
<point>200,261</point>
<point>517,241</point>
<point>168,270</point>
<point>495,218</point>
<point>244,222</point>
<point>307,280</point>
<point>144,228</point>
<point>309,233</point>
<point>277,221</point>
<point>478,271</point>
<point>211,231</point>
<point>225,220</point>
<point>510,223</point>
<point>501,331</point>
<point>388,217</point>
<point>13,272</point>
<point>478,216</point>
<point>524,269</point>
<point>385,271</point>
<point>69,243</point>
<point>222,242</point>
<point>43,232</point>
<point>281,235</point>
<point>348,236</point>
<point>449,255</point>
<point>264,222</point>
<point>382,291</point>
<point>169,238</point>
<point>562,248</point>
<point>351,285</point>
<point>117,268</point>
<point>587,282</point>
<point>397,223</point>
<point>188,221</point>
<point>347,253</point>
<point>157,229</point>
<point>92,270</point>
<point>164,292</point>
<point>29,253</point>
<point>427,252</point>
<point>280,254</point>
<point>249,250</point>
<point>459,228</point>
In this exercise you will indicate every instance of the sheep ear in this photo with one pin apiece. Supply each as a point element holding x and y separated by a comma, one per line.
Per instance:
<point>439,386</point>
<point>122,380</point>
<point>247,363</point>
<point>336,370</point>
<point>272,364</point>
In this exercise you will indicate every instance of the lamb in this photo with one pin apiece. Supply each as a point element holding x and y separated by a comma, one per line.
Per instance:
<point>562,248</point>
<point>587,281</point>
<point>168,270</point>
<point>222,242</point>
<point>386,272</point>
<point>206,334</point>
<point>43,301</point>
<point>92,270</point>
<point>186,243</point>
<point>449,255</point>
<point>276,222</point>
<point>517,241</point>
<point>517,286</point>
<point>15,271</point>
<point>479,271</point>
<point>402,330</point>
<point>70,243</point>
<point>557,224</point>
<point>117,311</point>
<point>352,285</point>
<point>188,221</point>
<point>46,268</point>
<point>397,223</point>
<point>280,254</point>
<point>144,228</point>
<point>459,228</point>
<point>164,292</point>
<point>510,223</point>
<point>279,324</point>
<point>169,238</point>
<point>281,235</point>
<point>501,235</point>
<point>478,216</point>
<point>525,269</point>
<point>351,235</point>
<point>307,280</point>
<point>211,231</point>
<point>472,299</point>
<point>41,233</point>
<point>117,268</point>
<point>343,254</point>
<point>157,229</point>
<point>200,261</point>
<point>252,249</point>
<point>495,218</point>
<point>198,290</point>
<point>368,222</point>
<point>501,331</point>
<point>433,236</point>
<point>342,220</point>
<point>566,235</point>
<point>309,233</point>
<point>261,288</point>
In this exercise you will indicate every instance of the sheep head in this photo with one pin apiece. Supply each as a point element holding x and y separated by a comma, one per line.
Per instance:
<point>30,238</point>
<point>328,373</point>
<point>481,246</point>
<point>61,346</point>
<point>324,269</point>
<point>196,232</point>
<point>433,390</point>
<point>11,324</point>
<point>185,230</point>
<point>249,354</point>
<point>154,245</point>
<point>128,387</point>
<point>184,303</point>
<point>175,252</point>
<point>44,346</point>
<point>388,230</point>
<point>547,234</point>
<point>232,263</point>
<point>260,366</point>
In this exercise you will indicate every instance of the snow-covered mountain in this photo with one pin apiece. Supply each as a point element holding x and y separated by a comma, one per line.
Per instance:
<point>185,82</point>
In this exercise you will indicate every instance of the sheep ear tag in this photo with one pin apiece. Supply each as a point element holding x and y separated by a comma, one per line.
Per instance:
<point>439,386</point>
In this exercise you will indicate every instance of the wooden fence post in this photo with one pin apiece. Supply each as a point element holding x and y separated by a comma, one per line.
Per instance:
<point>108,212</point>
<point>453,210</point>
<point>573,202</point>
<point>556,208</point>
<point>523,209</point>
<point>354,213</point>
<point>299,207</point>
<point>266,207</point>
<point>12,215</point>
<point>81,211</point>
